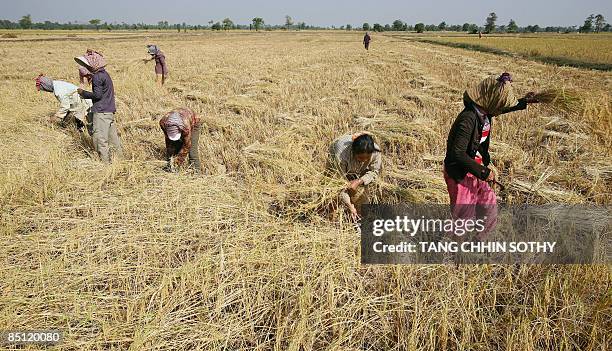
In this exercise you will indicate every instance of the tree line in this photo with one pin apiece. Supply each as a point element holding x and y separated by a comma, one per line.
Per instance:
<point>257,23</point>
<point>593,23</point>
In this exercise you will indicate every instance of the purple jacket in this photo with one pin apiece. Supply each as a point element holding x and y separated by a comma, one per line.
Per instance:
<point>103,93</point>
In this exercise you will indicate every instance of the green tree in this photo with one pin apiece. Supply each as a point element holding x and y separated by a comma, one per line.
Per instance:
<point>95,22</point>
<point>419,27</point>
<point>288,22</point>
<point>465,27</point>
<point>512,27</point>
<point>349,27</point>
<point>473,29</point>
<point>533,29</point>
<point>490,24</point>
<point>216,26</point>
<point>228,24</point>
<point>26,22</point>
<point>588,24</point>
<point>442,26</point>
<point>184,27</point>
<point>600,23</point>
<point>366,26</point>
<point>258,22</point>
<point>377,27</point>
<point>398,25</point>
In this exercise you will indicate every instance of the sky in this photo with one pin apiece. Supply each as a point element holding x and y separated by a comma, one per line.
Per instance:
<point>313,12</point>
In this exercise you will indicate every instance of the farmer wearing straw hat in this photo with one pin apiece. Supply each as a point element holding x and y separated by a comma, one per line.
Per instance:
<point>466,165</point>
<point>72,106</point>
<point>103,97</point>
<point>161,69</point>
<point>358,159</point>
<point>181,129</point>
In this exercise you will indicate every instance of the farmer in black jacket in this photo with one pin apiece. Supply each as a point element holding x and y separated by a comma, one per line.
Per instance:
<point>366,41</point>
<point>467,158</point>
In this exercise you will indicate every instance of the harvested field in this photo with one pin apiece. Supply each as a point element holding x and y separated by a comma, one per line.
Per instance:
<point>245,256</point>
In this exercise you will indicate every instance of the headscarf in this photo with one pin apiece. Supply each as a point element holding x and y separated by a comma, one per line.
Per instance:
<point>493,94</point>
<point>153,49</point>
<point>173,126</point>
<point>44,83</point>
<point>92,60</point>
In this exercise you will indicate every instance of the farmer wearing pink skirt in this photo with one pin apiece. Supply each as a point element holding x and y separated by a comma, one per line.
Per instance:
<point>466,165</point>
<point>161,69</point>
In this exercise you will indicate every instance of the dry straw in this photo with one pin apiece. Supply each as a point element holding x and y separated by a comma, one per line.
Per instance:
<point>245,257</point>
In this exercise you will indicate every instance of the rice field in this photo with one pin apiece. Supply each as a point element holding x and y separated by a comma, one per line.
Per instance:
<point>586,49</point>
<point>247,255</point>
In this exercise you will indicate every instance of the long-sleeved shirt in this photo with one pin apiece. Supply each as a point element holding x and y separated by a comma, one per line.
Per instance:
<point>103,93</point>
<point>190,120</point>
<point>70,101</point>
<point>341,154</point>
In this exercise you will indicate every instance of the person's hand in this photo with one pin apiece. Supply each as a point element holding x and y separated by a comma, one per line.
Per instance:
<point>354,184</point>
<point>491,177</point>
<point>80,91</point>
<point>530,98</point>
<point>354,214</point>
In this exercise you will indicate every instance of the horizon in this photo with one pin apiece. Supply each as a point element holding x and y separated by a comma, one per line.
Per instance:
<point>315,13</point>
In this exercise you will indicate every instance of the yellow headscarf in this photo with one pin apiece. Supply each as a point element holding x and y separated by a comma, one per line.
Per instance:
<point>493,94</point>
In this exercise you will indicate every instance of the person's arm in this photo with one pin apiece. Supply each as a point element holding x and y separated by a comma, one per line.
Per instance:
<point>182,154</point>
<point>521,105</point>
<point>375,166</point>
<point>463,137</point>
<point>64,106</point>
<point>170,149</point>
<point>97,87</point>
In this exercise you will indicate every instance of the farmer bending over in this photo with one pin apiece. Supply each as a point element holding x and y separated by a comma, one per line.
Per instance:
<point>161,70</point>
<point>181,129</point>
<point>466,170</point>
<point>103,97</point>
<point>73,108</point>
<point>357,158</point>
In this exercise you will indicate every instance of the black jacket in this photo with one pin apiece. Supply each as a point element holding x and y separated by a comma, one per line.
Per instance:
<point>464,141</point>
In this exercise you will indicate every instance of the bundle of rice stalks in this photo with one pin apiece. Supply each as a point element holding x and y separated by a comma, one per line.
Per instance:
<point>563,99</point>
<point>241,104</point>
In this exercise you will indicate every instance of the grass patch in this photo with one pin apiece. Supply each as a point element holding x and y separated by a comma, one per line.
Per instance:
<point>532,54</point>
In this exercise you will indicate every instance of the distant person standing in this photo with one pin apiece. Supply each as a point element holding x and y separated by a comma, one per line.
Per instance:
<point>366,41</point>
<point>181,129</point>
<point>161,69</point>
<point>103,97</point>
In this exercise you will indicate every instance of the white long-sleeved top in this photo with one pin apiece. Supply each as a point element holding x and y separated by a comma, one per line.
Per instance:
<point>70,101</point>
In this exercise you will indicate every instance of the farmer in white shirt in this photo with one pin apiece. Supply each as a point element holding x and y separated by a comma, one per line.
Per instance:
<point>72,106</point>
